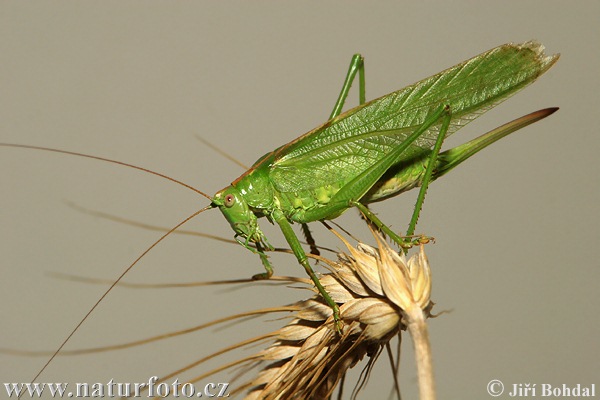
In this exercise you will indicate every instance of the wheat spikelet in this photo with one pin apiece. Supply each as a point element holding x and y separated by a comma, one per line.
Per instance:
<point>379,293</point>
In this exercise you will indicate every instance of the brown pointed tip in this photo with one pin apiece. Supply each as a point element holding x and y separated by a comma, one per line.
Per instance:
<point>546,112</point>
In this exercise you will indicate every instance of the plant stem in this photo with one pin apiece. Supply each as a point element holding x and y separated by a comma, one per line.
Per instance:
<point>417,327</point>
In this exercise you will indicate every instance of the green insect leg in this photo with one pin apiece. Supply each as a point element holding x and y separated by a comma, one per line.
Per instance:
<point>265,262</point>
<point>431,163</point>
<point>357,65</point>
<point>445,114</point>
<point>296,247</point>
<point>373,219</point>
<point>351,193</point>
<point>260,250</point>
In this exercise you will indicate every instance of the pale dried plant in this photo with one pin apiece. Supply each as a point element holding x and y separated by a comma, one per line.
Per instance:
<point>380,293</point>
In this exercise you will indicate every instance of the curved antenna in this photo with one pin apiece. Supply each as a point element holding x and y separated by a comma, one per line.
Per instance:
<point>73,153</point>
<point>115,284</point>
<point>222,152</point>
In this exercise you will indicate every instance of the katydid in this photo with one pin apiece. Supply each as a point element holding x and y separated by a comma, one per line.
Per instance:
<point>370,153</point>
<point>377,150</point>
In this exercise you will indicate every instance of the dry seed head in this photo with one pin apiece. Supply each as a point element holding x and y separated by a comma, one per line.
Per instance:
<point>377,291</point>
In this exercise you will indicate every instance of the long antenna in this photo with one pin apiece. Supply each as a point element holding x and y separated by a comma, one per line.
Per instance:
<point>73,153</point>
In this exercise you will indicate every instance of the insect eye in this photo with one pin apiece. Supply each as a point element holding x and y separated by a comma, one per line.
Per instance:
<point>229,200</point>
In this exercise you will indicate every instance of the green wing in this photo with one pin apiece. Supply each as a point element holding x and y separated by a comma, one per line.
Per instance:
<point>338,151</point>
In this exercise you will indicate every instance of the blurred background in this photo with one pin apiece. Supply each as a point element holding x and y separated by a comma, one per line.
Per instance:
<point>138,82</point>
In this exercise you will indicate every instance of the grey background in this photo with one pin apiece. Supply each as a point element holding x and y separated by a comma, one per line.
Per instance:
<point>517,226</point>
